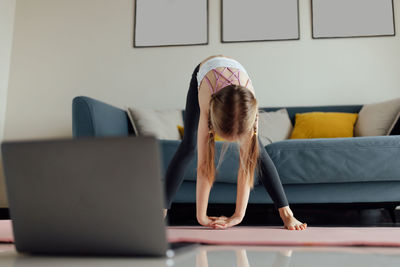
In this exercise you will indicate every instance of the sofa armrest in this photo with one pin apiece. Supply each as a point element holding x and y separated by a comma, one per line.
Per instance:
<point>93,118</point>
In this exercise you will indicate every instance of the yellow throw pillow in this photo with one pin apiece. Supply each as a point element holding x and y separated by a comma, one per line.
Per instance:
<point>324,125</point>
<point>181,131</point>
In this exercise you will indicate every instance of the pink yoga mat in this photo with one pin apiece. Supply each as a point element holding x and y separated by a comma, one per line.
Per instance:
<point>6,234</point>
<point>270,236</point>
<point>312,236</point>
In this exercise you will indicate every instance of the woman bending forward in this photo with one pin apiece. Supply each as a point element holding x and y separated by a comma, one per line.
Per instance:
<point>221,100</point>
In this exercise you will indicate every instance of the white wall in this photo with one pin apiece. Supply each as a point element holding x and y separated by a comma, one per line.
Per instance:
<point>7,8</point>
<point>66,48</point>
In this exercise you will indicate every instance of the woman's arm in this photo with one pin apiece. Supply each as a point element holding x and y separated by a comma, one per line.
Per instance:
<point>203,185</point>
<point>243,189</point>
<point>242,194</point>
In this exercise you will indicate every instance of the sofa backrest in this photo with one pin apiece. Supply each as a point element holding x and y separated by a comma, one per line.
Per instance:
<point>91,117</point>
<point>293,110</point>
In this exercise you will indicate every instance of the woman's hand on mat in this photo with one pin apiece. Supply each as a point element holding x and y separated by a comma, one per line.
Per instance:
<point>233,220</point>
<point>224,222</point>
<point>213,222</point>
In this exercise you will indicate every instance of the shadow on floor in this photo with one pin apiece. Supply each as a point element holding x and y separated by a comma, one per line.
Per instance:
<point>265,214</point>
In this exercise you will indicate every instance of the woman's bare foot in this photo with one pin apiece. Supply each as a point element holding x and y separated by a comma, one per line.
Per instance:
<point>290,222</point>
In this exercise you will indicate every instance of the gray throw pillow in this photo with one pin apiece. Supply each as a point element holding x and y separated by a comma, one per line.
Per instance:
<point>274,126</point>
<point>377,118</point>
<point>162,124</point>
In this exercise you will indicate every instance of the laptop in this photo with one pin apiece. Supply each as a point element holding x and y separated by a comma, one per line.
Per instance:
<point>98,196</point>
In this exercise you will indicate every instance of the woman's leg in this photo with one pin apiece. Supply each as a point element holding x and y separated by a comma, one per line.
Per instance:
<point>270,178</point>
<point>271,181</point>
<point>186,150</point>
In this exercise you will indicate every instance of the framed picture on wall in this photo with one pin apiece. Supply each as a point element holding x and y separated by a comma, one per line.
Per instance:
<point>352,18</point>
<point>259,20</point>
<point>170,23</point>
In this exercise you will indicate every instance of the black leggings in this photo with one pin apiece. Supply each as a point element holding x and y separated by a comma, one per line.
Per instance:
<point>187,149</point>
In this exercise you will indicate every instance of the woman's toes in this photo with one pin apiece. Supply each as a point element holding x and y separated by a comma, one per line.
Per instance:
<point>290,227</point>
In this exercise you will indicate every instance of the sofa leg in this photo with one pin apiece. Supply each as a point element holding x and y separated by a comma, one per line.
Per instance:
<point>392,213</point>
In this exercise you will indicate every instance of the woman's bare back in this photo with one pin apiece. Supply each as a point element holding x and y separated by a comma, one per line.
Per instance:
<point>204,89</point>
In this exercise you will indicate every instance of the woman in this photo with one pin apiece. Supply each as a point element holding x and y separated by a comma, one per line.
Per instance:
<point>221,100</point>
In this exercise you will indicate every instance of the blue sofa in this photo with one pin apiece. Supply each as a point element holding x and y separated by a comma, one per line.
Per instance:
<point>327,170</point>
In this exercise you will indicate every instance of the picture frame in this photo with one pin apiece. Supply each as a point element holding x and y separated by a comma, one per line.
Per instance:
<point>352,18</point>
<point>266,20</point>
<point>164,23</point>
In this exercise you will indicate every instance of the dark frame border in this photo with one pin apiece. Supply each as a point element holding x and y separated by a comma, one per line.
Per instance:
<point>265,40</point>
<point>174,45</point>
<point>356,36</point>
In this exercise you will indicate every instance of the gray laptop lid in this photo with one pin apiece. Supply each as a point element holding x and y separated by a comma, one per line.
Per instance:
<point>90,195</point>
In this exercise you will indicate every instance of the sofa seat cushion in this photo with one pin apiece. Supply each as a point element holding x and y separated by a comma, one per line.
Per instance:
<point>337,160</point>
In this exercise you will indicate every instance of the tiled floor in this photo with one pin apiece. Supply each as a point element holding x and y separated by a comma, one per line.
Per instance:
<point>226,256</point>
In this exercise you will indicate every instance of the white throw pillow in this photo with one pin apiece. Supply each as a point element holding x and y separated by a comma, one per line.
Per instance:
<point>393,125</point>
<point>376,118</point>
<point>163,124</point>
<point>274,126</point>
